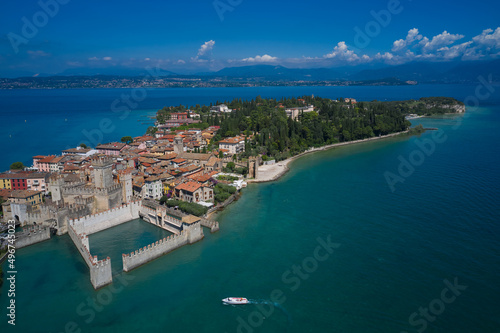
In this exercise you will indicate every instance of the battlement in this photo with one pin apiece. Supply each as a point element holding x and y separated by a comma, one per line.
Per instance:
<point>31,229</point>
<point>102,161</point>
<point>108,190</point>
<point>103,220</point>
<point>151,247</point>
<point>189,235</point>
<point>32,235</point>
<point>154,250</point>
<point>100,270</point>
<point>78,190</point>
<point>83,201</point>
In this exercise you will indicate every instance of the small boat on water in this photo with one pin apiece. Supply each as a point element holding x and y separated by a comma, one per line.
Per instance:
<point>235,300</point>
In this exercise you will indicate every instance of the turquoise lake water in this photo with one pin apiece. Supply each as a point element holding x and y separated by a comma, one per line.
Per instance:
<point>391,252</point>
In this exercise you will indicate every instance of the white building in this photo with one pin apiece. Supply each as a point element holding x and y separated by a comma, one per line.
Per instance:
<point>294,112</point>
<point>234,145</point>
<point>220,108</point>
<point>152,188</point>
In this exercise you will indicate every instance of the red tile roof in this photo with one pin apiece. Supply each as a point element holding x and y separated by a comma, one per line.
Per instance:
<point>189,186</point>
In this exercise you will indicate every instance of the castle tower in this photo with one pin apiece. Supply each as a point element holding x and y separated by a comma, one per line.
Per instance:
<point>103,178</point>
<point>178,145</point>
<point>126,181</point>
<point>55,185</point>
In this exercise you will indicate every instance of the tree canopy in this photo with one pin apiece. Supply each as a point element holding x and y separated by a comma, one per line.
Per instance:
<point>17,166</point>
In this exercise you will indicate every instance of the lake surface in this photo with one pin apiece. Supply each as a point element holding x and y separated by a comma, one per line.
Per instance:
<point>393,250</point>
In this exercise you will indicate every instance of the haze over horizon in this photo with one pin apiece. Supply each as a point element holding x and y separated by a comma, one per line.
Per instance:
<point>53,36</point>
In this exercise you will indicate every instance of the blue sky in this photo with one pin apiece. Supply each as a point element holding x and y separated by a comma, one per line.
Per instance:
<point>195,35</point>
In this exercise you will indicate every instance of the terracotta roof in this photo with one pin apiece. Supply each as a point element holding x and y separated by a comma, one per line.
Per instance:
<point>112,146</point>
<point>233,140</point>
<point>57,159</point>
<point>212,161</point>
<point>47,159</point>
<point>152,179</point>
<point>201,177</point>
<point>188,186</point>
<point>75,150</point>
<point>196,156</point>
<point>167,156</point>
<point>178,160</point>
<point>4,193</point>
<point>23,194</point>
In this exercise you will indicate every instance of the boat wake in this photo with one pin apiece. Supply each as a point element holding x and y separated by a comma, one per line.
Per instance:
<point>275,305</point>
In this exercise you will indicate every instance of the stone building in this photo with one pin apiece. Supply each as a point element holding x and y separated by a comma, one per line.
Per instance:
<point>74,196</point>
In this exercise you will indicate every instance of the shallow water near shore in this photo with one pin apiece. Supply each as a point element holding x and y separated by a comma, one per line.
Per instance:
<point>392,253</point>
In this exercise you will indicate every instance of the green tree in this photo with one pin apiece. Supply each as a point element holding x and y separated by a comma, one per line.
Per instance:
<point>83,145</point>
<point>17,166</point>
<point>127,139</point>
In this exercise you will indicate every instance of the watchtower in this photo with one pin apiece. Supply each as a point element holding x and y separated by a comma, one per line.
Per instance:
<point>103,178</point>
<point>178,145</point>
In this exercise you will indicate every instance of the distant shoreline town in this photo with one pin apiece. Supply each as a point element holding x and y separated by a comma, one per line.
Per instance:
<point>106,81</point>
<point>193,162</point>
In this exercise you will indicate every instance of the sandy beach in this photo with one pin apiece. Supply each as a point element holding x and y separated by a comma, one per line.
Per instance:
<point>268,173</point>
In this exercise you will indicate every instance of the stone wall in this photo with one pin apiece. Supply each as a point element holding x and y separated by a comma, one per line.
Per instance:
<point>32,235</point>
<point>100,270</point>
<point>189,235</point>
<point>213,225</point>
<point>97,222</point>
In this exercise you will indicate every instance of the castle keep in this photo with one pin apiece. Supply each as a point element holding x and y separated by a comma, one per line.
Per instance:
<point>73,197</point>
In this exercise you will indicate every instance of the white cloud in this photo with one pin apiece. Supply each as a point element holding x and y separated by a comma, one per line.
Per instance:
<point>438,41</point>
<point>206,48</point>
<point>180,61</point>
<point>385,56</point>
<point>264,58</point>
<point>412,36</point>
<point>147,59</point>
<point>107,58</point>
<point>93,59</point>
<point>455,51</point>
<point>341,52</point>
<point>488,38</point>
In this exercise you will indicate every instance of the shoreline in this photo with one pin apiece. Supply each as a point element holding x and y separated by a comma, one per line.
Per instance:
<point>276,171</point>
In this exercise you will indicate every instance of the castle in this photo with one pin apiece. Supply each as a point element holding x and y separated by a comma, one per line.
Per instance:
<point>73,198</point>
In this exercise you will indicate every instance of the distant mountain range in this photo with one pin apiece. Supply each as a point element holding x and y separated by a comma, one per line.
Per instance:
<point>276,73</point>
<point>418,71</point>
<point>421,72</point>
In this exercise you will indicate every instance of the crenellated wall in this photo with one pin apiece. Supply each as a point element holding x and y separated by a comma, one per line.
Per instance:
<point>213,225</point>
<point>100,270</point>
<point>189,235</point>
<point>32,235</point>
<point>97,222</point>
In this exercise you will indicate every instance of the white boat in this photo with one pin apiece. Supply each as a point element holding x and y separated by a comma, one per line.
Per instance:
<point>235,300</point>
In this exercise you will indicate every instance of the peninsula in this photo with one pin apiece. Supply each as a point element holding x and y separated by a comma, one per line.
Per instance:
<point>193,162</point>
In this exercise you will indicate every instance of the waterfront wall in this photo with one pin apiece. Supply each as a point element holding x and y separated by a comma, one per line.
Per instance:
<point>213,225</point>
<point>91,224</point>
<point>189,235</point>
<point>100,270</point>
<point>32,235</point>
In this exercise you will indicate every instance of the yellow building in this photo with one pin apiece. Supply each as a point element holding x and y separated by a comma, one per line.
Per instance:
<point>33,198</point>
<point>5,182</point>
